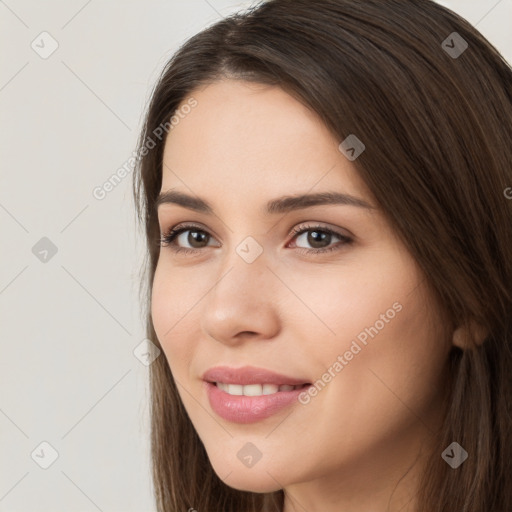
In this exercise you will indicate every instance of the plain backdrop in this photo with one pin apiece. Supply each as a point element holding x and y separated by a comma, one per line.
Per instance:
<point>73,395</point>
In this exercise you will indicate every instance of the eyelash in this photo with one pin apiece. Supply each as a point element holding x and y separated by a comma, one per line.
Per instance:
<point>167,239</point>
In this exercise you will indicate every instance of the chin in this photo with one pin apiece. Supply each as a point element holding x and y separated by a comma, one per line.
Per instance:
<point>251,484</point>
<point>255,479</point>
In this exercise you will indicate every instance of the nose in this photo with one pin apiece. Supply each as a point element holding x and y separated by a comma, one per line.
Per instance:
<point>242,303</point>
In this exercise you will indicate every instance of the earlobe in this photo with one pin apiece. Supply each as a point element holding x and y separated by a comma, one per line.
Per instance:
<point>469,336</point>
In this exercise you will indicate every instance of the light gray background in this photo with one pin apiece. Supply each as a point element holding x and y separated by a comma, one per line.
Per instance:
<point>69,325</point>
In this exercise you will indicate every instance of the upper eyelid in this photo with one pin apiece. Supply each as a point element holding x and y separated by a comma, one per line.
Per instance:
<point>183,226</point>
<point>303,226</point>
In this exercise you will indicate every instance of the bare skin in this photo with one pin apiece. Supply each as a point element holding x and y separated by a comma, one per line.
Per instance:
<point>359,444</point>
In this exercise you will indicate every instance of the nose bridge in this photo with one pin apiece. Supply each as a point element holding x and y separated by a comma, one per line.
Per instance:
<point>245,262</point>
<point>242,298</point>
<point>241,276</point>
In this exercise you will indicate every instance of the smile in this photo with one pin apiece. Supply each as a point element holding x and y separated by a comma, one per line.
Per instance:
<point>255,389</point>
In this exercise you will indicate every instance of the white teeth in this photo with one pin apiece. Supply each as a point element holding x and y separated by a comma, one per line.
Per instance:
<point>270,389</point>
<point>253,389</point>
<point>222,386</point>
<point>235,389</point>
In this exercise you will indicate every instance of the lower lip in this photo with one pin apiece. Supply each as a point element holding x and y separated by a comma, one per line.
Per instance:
<point>248,409</point>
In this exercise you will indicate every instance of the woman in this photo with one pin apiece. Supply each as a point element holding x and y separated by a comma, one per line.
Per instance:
<point>323,186</point>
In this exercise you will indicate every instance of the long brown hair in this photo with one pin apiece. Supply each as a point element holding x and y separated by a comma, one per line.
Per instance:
<point>434,110</point>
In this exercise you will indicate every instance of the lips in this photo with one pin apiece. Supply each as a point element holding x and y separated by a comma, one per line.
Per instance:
<point>249,394</point>
<point>250,375</point>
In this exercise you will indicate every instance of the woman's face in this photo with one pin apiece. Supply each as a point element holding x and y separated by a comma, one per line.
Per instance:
<point>353,318</point>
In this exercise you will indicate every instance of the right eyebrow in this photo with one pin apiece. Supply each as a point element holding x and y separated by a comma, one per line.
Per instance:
<point>192,203</point>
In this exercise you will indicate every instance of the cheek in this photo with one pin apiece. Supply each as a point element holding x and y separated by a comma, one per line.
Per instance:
<point>172,302</point>
<point>375,314</point>
<point>383,386</point>
<point>339,302</point>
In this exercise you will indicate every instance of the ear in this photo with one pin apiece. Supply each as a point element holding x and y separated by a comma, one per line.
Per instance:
<point>469,335</point>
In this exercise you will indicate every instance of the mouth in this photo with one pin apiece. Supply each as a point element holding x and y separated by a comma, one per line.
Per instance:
<point>250,403</point>
<point>249,394</point>
<point>256,389</point>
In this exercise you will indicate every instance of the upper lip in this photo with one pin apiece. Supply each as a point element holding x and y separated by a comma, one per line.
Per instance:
<point>249,375</point>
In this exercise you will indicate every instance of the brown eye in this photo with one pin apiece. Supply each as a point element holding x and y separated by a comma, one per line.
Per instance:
<point>186,238</point>
<point>196,239</point>
<point>318,239</point>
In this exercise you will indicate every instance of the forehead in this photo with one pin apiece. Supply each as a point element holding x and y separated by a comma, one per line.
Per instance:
<point>248,139</point>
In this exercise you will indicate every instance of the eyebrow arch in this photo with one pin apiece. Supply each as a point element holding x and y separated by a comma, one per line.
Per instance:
<point>280,205</point>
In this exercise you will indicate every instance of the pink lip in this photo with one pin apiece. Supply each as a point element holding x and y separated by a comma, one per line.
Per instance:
<point>248,409</point>
<point>249,375</point>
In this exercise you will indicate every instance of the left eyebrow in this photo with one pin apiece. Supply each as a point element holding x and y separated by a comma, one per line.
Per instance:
<point>289,203</point>
<point>280,205</point>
